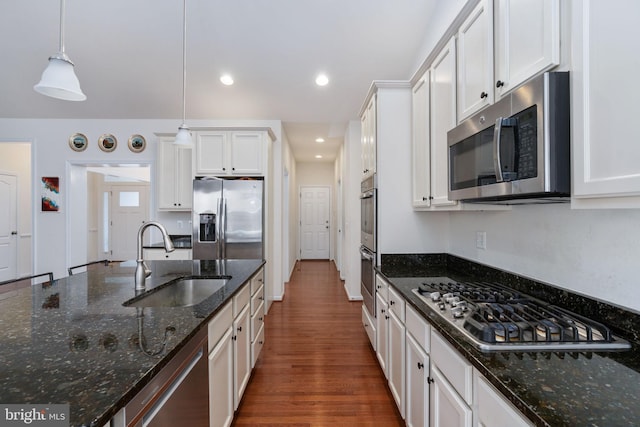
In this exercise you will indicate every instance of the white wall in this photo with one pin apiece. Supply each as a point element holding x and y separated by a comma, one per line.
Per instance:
<point>315,173</point>
<point>15,159</point>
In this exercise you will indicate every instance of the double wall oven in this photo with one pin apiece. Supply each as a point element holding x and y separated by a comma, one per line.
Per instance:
<point>368,256</point>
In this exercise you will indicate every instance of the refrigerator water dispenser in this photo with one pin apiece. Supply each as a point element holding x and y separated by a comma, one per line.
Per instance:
<point>207,227</point>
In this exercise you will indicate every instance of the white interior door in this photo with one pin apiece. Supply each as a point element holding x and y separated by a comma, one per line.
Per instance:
<point>314,222</point>
<point>8,227</point>
<point>129,209</point>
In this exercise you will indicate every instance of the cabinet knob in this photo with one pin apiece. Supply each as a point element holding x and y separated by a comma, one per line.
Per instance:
<point>386,317</point>
<point>260,319</point>
<point>499,83</point>
<point>430,380</point>
<point>224,169</point>
<point>484,95</point>
<point>233,169</point>
<point>420,365</point>
<point>392,302</point>
<point>239,328</point>
<point>424,199</point>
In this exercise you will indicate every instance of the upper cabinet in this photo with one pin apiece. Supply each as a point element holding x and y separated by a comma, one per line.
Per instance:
<point>475,61</point>
<point>421,171</point>
<point>368,122</point>
<point>174,176</point>
<point>527,40</point>
<point>230,153</point>
<point>605,150</point>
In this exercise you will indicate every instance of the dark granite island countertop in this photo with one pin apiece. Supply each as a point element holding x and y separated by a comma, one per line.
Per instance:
<point>74,342</point>
<point>587,388</point>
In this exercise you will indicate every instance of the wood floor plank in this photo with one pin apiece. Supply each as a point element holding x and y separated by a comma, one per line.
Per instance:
<point>317,367</point>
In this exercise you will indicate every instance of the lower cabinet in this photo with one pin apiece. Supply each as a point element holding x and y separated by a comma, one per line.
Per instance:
<point>492,410</point>
<point>447,408</point>
<point>241,354</point>
<point>221,382</point>
<point>396,360</point>
<point>417,398</point>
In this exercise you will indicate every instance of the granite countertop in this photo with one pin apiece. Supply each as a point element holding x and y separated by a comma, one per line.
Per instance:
<point>74,342</point>
<point>551,388</point>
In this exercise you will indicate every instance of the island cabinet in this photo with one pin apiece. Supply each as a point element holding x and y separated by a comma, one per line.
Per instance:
<point>230,153</point>
<point>174,176</point>
<point>605,149</point>
<point>257,315</point>
<point>241,343</point>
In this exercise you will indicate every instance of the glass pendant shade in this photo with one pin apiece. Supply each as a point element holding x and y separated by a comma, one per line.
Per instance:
<point>60,81</point>
<point>183,137</point>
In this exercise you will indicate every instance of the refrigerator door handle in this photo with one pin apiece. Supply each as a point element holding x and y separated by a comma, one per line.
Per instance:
<point>223,245</point>
<point>218,247</point>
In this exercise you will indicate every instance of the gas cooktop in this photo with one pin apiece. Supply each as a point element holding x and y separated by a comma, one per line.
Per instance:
<point>496,318</point>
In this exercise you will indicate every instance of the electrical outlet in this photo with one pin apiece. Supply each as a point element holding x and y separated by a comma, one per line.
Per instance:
<point>180,224</point>
<point>481,239</point>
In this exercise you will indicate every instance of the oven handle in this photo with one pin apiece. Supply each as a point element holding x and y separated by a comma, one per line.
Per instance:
<point>366,195</point>
<point>366,254</point>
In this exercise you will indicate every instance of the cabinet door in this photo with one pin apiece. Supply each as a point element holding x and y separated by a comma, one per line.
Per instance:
<point>211,153</point>
<point>247,153</point>
<point>475,61</point>
<point>447,409</point>
<point>382,338</point>
<point>184,177</point>
<point>605,138</point>
<point>174,177</point>
<point>417,367</point>
<point>221,382</point>
<point>396,360</point>
<point>368,138</point>
<point>421,167</point>
<point>241,353</point>
<point>527,40</point>
<point>443,119</point>
<point>492,410</point>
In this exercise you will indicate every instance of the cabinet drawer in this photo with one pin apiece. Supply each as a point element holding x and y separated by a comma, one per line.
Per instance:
<point>492,408</point>
<point>454,367</point>
<point>256,346</point>
<point>257,281</point>
<point>256,321</point>
<point>240,300</point>
<point>219,325</point>
<point>382,288</point>
<point>257,299</point>
<point>369,326</point>
<point>418,328</point>
<point>396,304</point>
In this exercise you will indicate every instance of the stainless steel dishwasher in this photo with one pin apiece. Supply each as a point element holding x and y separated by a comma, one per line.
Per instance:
<point>179,394</point>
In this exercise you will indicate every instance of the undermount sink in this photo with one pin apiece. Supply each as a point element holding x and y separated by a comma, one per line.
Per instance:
<point>179,293</point>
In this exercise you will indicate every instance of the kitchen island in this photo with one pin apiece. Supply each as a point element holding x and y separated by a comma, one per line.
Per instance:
<point>551,388</point>
<point>73,341</point>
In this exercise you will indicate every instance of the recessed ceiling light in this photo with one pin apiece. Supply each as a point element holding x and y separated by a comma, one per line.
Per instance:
<point>322,80</point>
<point>226,80</point>
<point>318,156</point>
<point>319,139</point>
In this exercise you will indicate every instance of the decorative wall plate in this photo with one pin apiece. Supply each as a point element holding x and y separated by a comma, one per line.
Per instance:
<point>137,143</point>
<point>78,142</point>
<point>107,142</point>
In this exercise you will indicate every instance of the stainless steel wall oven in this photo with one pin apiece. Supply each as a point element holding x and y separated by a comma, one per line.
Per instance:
<point>368,240</point>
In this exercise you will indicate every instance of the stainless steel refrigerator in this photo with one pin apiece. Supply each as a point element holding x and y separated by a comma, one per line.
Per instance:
<point>228,221</point>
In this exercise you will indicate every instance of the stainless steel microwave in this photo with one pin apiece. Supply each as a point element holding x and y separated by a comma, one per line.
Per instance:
<point>516,150</point>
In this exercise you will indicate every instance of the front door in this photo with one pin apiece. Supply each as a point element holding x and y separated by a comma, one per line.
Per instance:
<point>315,203</point>
<point>8,227</point>
<point>129,209</point>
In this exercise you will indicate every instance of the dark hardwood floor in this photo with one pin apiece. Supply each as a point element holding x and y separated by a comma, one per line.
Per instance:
<point>317,367</point>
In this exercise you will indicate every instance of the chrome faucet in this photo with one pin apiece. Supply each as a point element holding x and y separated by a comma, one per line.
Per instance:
<point>142,271</point>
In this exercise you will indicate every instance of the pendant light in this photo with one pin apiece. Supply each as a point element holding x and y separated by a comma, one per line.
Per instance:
<point>183,136</point>
<point>58,79</point>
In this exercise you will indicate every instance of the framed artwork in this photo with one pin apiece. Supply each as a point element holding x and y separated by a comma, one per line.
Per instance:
<point>78,142</point>
<point>107,142</point>
<point>137,143</point>
<point>50,194</point>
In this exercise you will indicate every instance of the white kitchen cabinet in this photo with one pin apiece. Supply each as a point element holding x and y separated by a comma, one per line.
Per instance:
<point>368,122</point>
<point>447,408</point>
<point>605,150</point>
<point>420,168</point>
<point>153,254</point>
<point>257,315</point>
<point>527,40</point>
<point>382,333</point>
<point>491,409</point>
<point>396,360</point>
<point>370,328</point>
<point>442,119</point>
<point>174,176</point>
<point>230,153</point>
<point>241,353</point>
<point>417,371</point>
<point>475,61</point>
<point>220,332</point>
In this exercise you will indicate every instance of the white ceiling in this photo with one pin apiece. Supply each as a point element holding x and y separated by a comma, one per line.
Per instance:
<point>128,56</point>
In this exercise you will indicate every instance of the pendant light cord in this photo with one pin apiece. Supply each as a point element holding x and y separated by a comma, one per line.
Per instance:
<point>184,62</point>
<point>62,26</point>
